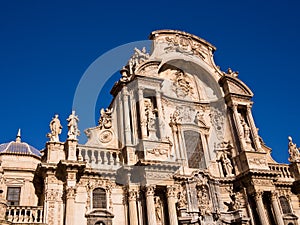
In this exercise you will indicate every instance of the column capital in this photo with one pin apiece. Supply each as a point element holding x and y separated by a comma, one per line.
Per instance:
<point>149,190</point>
<point>132,195</point>
<point>274,194</point>
<point>234,105</point>
<point>70,192</point>
<point>258,195</point>
<point>171,191</point>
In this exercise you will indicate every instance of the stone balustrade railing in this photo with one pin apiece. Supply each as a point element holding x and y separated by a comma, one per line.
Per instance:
<point>282,168</point>
<point>100,158</point>
<point>24,214</point>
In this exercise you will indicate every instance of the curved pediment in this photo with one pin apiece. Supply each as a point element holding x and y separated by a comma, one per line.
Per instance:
<point>234,86</point>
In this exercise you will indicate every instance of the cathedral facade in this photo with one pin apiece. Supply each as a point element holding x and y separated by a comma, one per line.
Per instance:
<point>177,145</point>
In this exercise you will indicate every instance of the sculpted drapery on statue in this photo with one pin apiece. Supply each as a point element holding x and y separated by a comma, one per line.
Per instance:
<point>55,129</point>
<point>73,130</point>
<point>293,151</point>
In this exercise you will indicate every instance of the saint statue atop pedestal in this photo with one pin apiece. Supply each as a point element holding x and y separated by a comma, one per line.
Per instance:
<point>55,129</point>
<point>73,130</point>
<point>293,150</point>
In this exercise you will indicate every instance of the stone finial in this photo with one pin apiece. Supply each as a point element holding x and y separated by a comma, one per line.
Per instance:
<point>231,73</point>
<point>73,130</point>
<point>55,129</point>
<point>18,137</point>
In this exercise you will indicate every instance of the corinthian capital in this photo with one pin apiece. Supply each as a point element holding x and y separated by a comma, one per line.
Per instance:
<point>171,191</point>
<point>150,190</point>
<point>132,195</point>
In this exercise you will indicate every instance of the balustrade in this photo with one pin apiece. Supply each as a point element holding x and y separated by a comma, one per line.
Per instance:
<point>282,168</point>
<point>24,214</point>
<point>96,158</point>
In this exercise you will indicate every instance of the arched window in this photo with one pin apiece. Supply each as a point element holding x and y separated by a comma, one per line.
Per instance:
<point>285,206</point>
<point>99,198</point>
<point>194,149</point>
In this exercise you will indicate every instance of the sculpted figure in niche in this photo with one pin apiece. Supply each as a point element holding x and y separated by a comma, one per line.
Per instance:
<point>73,130</point>
<point>55,129</point>
<point>226,163</point>
<point>293,151</point>
<point>158,210</point>
<point>246,130</point>
<point>150,114</point>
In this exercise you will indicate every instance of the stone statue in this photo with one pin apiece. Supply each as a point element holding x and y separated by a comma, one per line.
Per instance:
<point>150,114</point>
<point>105,119</point>
<point>293,151</point>
<point>226,163</point>
<point>138,57</point>
<point>55,129</point>
<point>73,130</point>
<point>246,131</point>
<point>158,209</point>
<point>235,203</point>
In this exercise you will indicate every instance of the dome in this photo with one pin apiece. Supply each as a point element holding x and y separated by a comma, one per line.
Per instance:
<point>19,148</point>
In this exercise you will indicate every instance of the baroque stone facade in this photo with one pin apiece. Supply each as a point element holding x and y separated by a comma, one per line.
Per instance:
<point>178,145</point>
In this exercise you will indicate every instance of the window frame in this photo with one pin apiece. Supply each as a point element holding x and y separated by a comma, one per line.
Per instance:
<point>9,195</point>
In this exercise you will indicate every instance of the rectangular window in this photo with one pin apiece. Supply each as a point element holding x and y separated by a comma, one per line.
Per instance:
<point>13,195</point>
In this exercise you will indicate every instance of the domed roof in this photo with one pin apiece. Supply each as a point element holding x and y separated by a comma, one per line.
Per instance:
<point>19,148</point>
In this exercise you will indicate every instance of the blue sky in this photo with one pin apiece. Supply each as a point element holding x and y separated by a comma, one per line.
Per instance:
<point>46,46</point>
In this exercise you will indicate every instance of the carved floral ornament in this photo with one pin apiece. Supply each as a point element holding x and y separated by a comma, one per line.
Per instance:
<point>185,45</point>
<point>102,183</point>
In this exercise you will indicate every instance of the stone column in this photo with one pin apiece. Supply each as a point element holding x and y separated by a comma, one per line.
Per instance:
<point>70,206</point>
<point>171,195</point>
<point>238,126</point>
<point>260,208</point>
<point>126,116</point>
<point>150,205</point>
<point>275,205</point>
<point>133,217</point>
<point>253,128</point>
<point>142,114</point>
